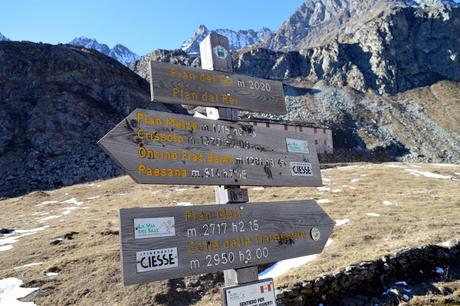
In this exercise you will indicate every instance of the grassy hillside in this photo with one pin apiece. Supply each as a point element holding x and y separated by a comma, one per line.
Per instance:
<point>378,209</point>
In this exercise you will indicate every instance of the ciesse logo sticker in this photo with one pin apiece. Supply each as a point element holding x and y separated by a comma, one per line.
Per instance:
<point>301,169</point>
<point>156,259</point>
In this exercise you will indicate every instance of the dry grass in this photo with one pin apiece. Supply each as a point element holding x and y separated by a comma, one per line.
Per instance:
<point>425,210</point>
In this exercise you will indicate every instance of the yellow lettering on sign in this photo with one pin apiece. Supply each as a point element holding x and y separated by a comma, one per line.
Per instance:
<point>184,94</point>
<point>216,159</point>
<point>148,120</point>
<point>205,246</point>
<point>161,172</point>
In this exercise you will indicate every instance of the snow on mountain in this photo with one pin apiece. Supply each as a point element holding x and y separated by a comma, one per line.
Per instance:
<point>123,54</point>
<point>418,3</point>
<point>2,37</point>
<point>237,39</point>
<point>119,52</point>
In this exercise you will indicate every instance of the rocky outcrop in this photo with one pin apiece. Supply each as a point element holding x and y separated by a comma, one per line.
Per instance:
<point>56,102</point>
<point>316,22</point>
<point>400,49</point>
<point>404,49</point>
<point>178,57</point>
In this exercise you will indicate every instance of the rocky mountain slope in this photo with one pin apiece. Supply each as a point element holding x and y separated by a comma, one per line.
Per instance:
<point>237,39</point>
<point>118,52</point>
<point>56,102</point>
<point>317,21</point>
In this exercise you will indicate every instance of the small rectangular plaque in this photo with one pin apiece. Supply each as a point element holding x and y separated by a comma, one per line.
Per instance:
<point>297,145</point>
<point>301,169</point>
<point>159,259</point>
<point>260,293</point>
<point>154,227</point>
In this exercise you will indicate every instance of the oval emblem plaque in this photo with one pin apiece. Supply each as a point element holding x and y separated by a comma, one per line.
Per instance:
<point>220,52</point>
<point>315,234</point>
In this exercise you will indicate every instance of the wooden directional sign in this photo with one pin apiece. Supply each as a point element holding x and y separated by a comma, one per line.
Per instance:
<point>185,85</point>
<point>172,242</point>
<point>165,148</point>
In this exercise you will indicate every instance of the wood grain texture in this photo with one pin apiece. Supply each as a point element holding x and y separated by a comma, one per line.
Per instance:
<point>232,153</point>
<point>185,85</point>
<point>234,277</point>
<point>278,220</point>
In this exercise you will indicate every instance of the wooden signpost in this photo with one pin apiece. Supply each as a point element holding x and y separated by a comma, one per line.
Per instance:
<point>164,148</point>
<point>172,242</point>
<point>185,85</point>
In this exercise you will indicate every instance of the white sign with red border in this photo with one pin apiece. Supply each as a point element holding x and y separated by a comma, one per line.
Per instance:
<point>260,293</point>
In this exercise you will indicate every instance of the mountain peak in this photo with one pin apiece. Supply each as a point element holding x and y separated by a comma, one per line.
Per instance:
<point>237,39</point>
<point>118,52</point>
<point>2,37</point>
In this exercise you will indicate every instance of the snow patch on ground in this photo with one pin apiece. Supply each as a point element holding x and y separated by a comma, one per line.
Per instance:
<point>323,188</point>
<point>68,210</point>
<point>372,215</point>
<point>28,265</point>
<point>393,166</point>
<point>7,241</point>
<point>47,203</point>
<point>341,222</point>
<point>336,190</point>
<point>6,247</point>
<point>184,204</point>
<point>388,203</point>
<point>428,174</point>
<point>48,218</point>
<point>93,198</point>
<point>446,165</point>
<point>180,189</point>
<point>283,266</point>
<point>449,243</point>
<point>51,274</point>
<point>323,201</point>
<point>258,188</point>
<point>11,291</point>
<point>73,201</point>
<point>355,180</point>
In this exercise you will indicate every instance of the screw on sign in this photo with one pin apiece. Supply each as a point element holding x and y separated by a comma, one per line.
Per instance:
<point>164,148</point>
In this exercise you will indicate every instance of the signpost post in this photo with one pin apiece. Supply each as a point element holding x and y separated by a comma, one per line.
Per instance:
<point>165,148</point>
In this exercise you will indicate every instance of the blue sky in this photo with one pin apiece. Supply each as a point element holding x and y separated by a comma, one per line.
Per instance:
<point>141,25</point>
